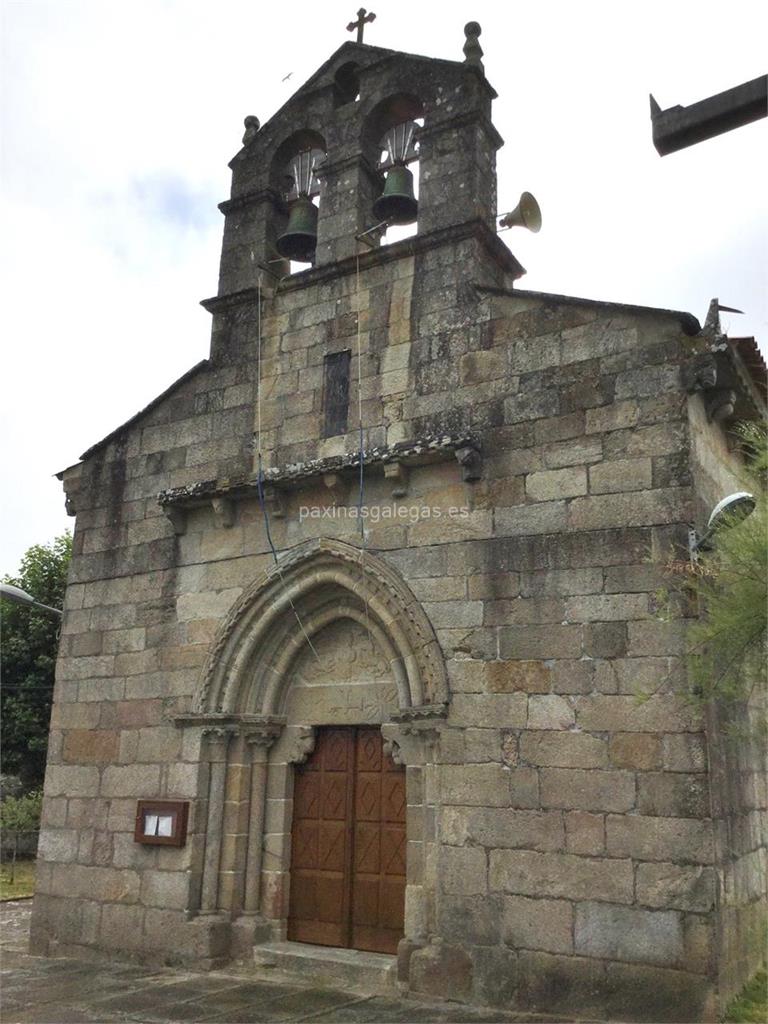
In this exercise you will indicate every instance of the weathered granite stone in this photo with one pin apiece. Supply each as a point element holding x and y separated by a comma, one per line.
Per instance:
<point>472,570</point>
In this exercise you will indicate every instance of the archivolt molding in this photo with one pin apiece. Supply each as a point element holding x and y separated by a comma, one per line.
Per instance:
<point>323,580</point>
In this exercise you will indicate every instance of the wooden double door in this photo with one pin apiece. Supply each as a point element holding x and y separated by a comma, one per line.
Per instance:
<point>348,843</point>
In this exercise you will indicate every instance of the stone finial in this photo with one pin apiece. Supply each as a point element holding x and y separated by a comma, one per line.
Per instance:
<point>473,51</point>
<point>252,125</point>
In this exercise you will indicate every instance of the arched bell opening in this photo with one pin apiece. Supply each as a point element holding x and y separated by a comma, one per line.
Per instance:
<point>391,142</point>
<point>346,84</point>
<point>294,174</point>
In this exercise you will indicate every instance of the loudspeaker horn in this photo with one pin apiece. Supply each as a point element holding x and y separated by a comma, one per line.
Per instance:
<point>526,214</point>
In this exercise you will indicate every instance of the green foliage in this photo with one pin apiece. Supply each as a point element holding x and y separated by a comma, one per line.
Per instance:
<point>17,880</point>
<point>21,814</point>
<point>28,643</point>
<point>728,642</point>
<point>751,1005</point>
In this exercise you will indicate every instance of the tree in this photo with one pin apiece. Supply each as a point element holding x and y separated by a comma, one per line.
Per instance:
<point>728,642</point>
<point>28,644</point>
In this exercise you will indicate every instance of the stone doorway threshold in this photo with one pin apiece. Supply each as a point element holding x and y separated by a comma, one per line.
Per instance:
<point>351,969</point>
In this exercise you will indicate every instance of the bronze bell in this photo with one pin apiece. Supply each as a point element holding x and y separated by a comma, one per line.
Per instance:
<point>299,239</point>
<point>397,203</point>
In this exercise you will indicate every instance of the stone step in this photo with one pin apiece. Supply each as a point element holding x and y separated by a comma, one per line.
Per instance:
<point>352,969</point>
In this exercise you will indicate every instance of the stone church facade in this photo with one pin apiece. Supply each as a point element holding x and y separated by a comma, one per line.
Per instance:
<point>422,740</point>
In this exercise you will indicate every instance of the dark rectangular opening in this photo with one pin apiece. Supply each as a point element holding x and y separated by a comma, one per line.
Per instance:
<point>336,393</point>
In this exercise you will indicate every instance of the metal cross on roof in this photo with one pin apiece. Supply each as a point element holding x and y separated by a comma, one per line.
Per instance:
<point>362,17</point>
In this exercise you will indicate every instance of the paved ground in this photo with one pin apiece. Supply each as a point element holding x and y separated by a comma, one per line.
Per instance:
<point>37,990</point>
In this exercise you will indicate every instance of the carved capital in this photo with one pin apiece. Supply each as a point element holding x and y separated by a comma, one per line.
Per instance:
<point>263,734</point>
<point>217,739</point>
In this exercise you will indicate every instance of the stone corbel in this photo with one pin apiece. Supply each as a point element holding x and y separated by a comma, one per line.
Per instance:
<point>700,373</point>
<point>411,737</point>
<point>337,489</point>
<point>471,462</point>
<point>276,501</point>
<point>296,744</point>
<point>223,511</point>
<point>397,473</point>
<point>177,518</point>
<point>720,404</point>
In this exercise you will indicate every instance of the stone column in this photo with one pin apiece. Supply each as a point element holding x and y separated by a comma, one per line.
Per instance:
<point>411,740</point>
<point>294,746</point>
<point>346,207</point>
<point>253,222</point>
<point>259,741</point>
<point>217,743</point>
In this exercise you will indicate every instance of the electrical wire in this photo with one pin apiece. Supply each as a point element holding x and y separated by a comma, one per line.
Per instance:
<point>260,482</point>
<point>361,494</point>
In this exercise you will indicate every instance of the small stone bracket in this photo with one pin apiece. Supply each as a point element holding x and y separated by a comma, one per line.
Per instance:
<point>721,404</point>
<point>275,498</point>
<point>177,517</point>
<point>410,738</point>
<point>397,473</point>
<point>337,489</point>
<point>223,511</point>
<point>700,373</point>
<point>471,462</point>
<point>299,742</point>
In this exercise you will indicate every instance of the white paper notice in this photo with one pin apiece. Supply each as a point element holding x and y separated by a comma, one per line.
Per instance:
<point>164,825</point>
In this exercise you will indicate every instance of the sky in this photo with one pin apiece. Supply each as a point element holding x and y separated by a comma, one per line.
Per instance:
<point>117,121</point>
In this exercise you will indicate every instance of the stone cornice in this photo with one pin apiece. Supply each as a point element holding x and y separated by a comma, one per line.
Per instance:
<point>468,117</point>
<point>413,246</point>
<point>465,449</point>
<point>253,727</point>
<point>261,195</point>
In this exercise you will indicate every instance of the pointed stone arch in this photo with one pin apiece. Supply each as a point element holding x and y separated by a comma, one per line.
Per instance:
<point>249,665</point>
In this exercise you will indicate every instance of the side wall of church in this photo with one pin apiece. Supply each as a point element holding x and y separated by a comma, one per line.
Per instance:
<point>572,846</point>
<point>736,759</point>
